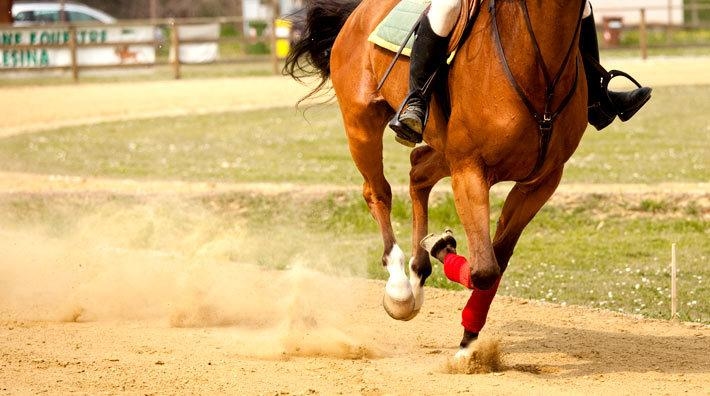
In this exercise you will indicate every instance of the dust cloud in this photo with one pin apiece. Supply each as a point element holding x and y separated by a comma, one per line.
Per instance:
<point>485,358</point>
<point>141,263</point>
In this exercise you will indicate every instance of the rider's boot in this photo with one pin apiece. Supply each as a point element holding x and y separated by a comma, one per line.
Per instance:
<point>605,105</point>
<point>428,53</point>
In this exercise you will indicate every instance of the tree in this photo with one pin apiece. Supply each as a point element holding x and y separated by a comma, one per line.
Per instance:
<point>6,11</point>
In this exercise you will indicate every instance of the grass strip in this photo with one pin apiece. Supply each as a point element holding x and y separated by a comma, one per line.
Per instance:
<point>666,142</point>
<point>596,251</point>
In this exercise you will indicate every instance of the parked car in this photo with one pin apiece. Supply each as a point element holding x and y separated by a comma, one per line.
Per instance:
<point>46,12</point>
<point>42,12</point>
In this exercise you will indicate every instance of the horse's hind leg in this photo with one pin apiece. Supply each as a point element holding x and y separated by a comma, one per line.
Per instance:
<point>428,167</point>
<point>521,205</point>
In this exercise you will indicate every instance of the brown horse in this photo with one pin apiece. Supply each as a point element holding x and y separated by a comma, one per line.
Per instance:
<point>516,111</point>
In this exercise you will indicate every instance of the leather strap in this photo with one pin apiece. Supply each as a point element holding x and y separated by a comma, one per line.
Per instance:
<point>546,118</point>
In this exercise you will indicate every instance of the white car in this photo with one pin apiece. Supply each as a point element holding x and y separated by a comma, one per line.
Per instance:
<point>41,12</point>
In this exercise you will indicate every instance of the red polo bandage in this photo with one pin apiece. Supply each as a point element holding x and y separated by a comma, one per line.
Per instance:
<point>473,316</point>
<point>457,270</point>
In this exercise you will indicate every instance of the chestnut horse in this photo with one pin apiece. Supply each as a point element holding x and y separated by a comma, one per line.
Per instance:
<point>516,111</point>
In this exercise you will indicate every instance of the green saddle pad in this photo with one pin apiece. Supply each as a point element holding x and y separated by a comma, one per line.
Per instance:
<point>392,31</point>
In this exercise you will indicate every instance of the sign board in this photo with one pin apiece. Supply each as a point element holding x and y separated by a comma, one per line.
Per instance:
<point>87,55</point>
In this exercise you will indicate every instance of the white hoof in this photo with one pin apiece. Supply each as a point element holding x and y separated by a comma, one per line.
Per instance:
<point>399,302</point>
<point>463,354</point>
<point>417,293</point>
<point>399,309</point>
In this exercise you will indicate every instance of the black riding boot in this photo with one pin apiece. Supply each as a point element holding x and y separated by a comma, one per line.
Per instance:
<point>428,53</point>
<point>605,105</point>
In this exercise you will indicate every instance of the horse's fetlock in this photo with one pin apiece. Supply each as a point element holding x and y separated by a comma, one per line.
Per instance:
<point>484,279</point>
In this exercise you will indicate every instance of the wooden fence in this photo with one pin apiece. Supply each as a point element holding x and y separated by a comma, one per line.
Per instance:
<point>238,41</point>
<point>659,33</point>
<point>20,46</point>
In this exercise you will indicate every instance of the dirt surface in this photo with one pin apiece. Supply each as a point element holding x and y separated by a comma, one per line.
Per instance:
<point>297,332</point>
<point>31,108</point>
<point>78,316</point>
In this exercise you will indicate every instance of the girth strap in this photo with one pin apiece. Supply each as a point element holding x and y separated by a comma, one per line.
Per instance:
<point>545,119</point>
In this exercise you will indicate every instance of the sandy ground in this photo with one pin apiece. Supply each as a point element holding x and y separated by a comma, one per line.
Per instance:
<point>296,332</point>
<point>31,108</point>
<point>77,316</point>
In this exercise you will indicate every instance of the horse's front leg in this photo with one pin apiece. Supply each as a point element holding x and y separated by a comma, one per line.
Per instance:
<point>398,301</point>
<point>428,167</point>
<point>521,205</point>
<point>364,125</point>
<point>471,196</point>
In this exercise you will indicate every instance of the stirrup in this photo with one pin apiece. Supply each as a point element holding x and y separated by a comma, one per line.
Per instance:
<point>606,79</point>
<point>623,115</point>
<point>405,134</point>
<point>604,113</point>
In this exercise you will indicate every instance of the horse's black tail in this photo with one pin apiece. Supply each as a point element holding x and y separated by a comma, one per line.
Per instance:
<point>310,54</point>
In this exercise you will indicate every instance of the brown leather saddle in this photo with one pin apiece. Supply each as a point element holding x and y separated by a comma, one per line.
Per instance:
<point>469,9</point>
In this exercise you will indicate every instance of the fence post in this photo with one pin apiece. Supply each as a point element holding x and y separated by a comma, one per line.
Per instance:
<point>175,46</point>
<point>73,53</point>
<point>643,35</point>
<point>694,14</point>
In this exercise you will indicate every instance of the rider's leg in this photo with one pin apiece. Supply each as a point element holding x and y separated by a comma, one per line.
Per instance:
<point>428,53</point>
<point>602,108</point>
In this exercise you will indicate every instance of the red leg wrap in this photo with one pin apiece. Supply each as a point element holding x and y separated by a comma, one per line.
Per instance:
<point>457,270</point>
<point>473,316</point>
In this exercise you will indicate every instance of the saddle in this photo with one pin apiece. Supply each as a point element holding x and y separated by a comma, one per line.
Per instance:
<point>394,33</point>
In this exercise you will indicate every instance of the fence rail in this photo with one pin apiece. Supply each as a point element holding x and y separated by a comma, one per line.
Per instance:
<point>238,40</point>
<point>675,28</point>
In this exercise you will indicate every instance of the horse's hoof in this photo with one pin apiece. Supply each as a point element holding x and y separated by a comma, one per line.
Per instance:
<point>463,354</point>
<point>400,309</point>
<point>412,316</point>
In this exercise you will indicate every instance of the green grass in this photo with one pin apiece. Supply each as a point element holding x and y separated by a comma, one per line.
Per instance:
<point>596,251</point>
<point>703,12</point>
<point>660,37</point>
<point>666,141</point>
<point>582,254</point>
<point>577,256</point>
<point>277,145</point>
